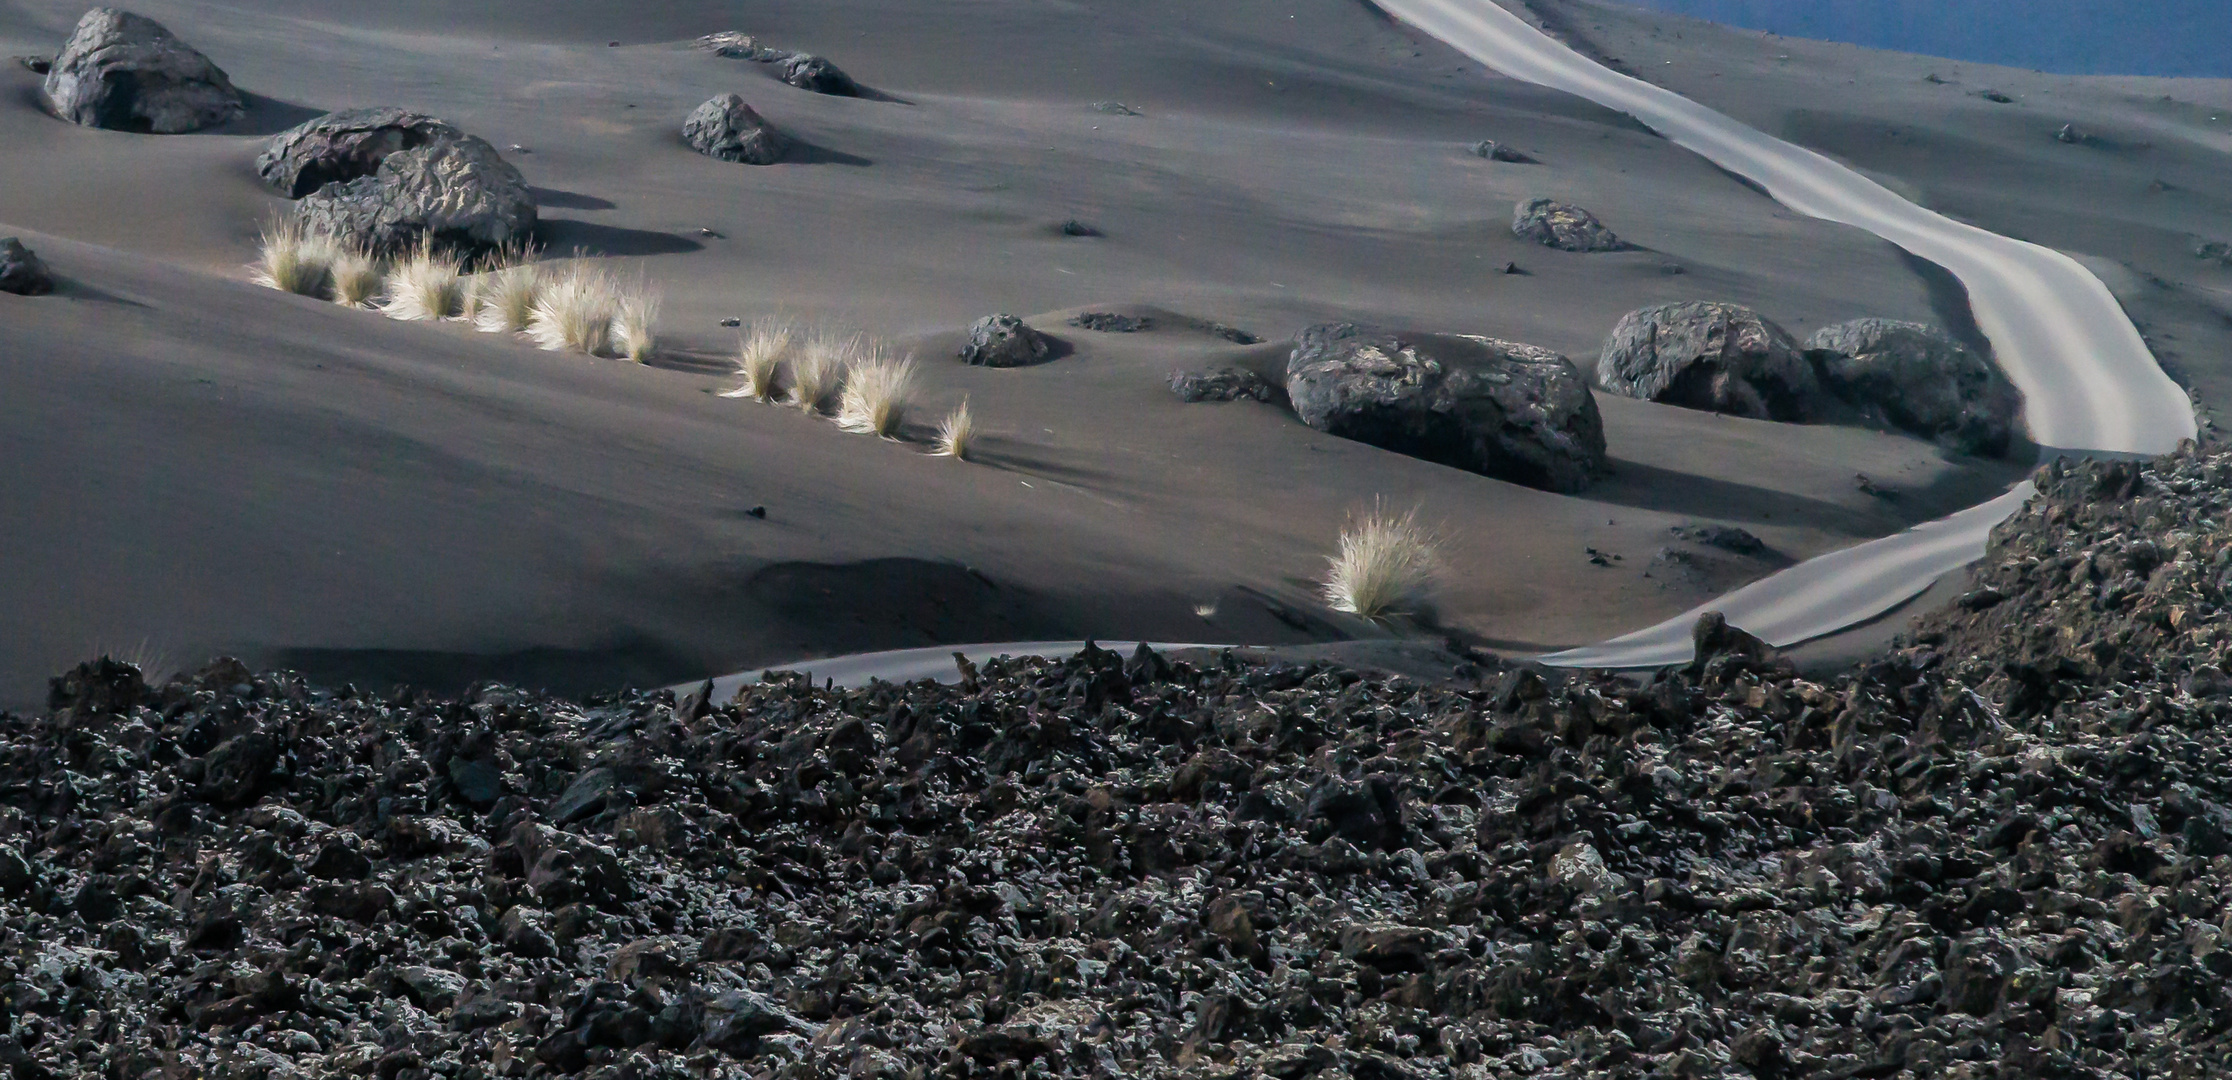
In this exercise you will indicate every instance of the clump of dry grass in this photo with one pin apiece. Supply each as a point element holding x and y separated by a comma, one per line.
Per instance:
<point>358,276</point>
<point>759,358</point>
<point>819,370</point>
<point>634,320</point>
<point>501,294</point>
<point>505,299</point>
<point>574,310</point>
<point>1386,564</point>
<point>878,389</point>
<point>293,259</point>
<point>956,434</point>
<point>426,286</point>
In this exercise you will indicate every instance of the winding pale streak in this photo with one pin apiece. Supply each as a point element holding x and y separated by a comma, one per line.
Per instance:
<point>2088,381</point>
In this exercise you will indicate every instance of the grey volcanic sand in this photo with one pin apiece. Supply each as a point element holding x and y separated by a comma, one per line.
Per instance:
<point>195,464</point>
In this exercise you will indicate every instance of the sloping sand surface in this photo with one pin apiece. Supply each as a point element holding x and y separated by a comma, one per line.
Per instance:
<point>196,464</point>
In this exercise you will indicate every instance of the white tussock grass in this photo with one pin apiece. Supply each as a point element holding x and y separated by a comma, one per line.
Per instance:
<point>358,276</point>
<point>292,259</point>
<point>956,434</point>
<point>425,286</point>
<point>504,300</point>
<point>819,370</point>
<point>634,321</point>
<point>877,392</point>
<point>759,359</point>
<point>574,311</point>
<point>1386,564</point>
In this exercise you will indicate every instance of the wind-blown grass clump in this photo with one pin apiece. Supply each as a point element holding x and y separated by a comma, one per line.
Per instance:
<point>877,391</point>
<point>575,311</point>
<point>358,276</point>
<point>1386,565</point>
<point>759,359</point>
<point>819,370</point>
<point>956,434</point>
<point>634,317</point>
<point>504,300</point>
<point>426,286</point>
<point>293,259</point>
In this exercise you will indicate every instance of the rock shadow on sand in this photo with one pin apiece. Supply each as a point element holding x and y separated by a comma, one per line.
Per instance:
<point>892,603</point>
<point>560,671</point>
<point>554,199</point>
<point>265,116</point>
<point>567,236</point>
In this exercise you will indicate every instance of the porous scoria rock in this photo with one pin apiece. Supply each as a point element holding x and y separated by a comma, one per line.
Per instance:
<point>727,128</point>
<point>2000,851</point>
<point>457,193</point>
<point>341,146</point>
<point>1917,378</point>
<point>1499,408</point>
<point>22,272</point>
<point>126,72</point>
<point>1706,355</point>
<point>1568,228</point>
<point>1004,341</point>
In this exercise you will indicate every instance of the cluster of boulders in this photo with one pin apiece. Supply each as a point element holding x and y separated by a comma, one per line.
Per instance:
<point>803,70</point>
<point>1730,359</point>
<point>2003,850</point>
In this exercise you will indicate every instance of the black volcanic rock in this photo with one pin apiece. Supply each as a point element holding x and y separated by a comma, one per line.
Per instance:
<point>127,72</point>
<point>1704,355</point>
<point>1499,408</point>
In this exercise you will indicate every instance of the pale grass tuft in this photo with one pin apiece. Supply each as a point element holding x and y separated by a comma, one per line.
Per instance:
<point>820,369</point>
<point>505,299</point>
<point>292,259</point>
<point>1386,565</point>
<point>1205,611</point>
<point>634,323</point>
<point>574,311</point>
<point>358,276</point>
<point>759,358</point>
<point>956,434</point>
<point>878,390</point>
<point>426,286</point>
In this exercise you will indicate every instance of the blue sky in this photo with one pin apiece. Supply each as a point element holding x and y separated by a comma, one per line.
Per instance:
<point>2085,37</point>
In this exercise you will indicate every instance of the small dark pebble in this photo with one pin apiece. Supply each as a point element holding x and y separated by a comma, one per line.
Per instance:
<point>1514,268</point>
<point>1222,384</point>
<point>1074,227</point>
<point>39,64</point>
<point>732,321</point>
<point>757,511</point>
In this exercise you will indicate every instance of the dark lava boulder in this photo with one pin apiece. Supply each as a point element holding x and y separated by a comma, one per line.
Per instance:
<point>809,72</point>
<point>727,128</point>
<point>1706,355</point>
<point>1004,341</point>
<point>459,192</point>
<point>1499,408</point>
<point>21,270</point>
<point>1568,228</point>
<point>126,72</point>
<point>1917,378</point>
<point>341,146</point>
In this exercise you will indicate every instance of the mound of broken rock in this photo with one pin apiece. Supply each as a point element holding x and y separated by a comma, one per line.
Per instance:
<point>1005,341</point>
<point>1499,408</point>
<point>1917,378</point>
<point>22,272</point>
<point>727,128</point>
<point>389,179</point>
<point>1706,355</point>
<point>2003,850</point>
<point>1568,228</point>
<point>127,72</point>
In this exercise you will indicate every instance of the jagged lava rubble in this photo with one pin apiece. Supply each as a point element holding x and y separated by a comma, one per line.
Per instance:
<point>1999,851</point>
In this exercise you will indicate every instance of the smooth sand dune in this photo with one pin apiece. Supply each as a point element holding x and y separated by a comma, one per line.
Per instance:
<point>199,465</point>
